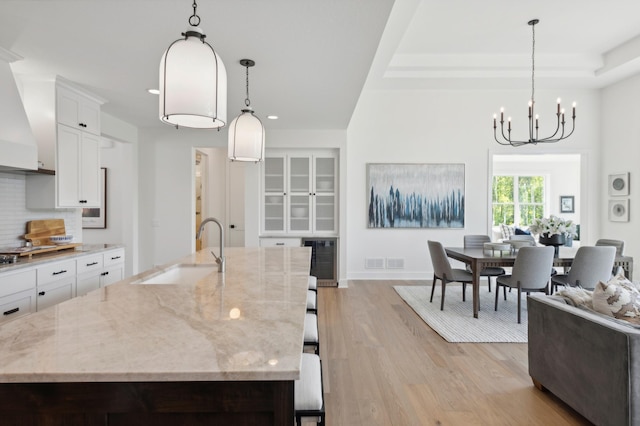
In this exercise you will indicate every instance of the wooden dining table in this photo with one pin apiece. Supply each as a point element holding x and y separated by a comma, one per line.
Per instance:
<point>478,259</point>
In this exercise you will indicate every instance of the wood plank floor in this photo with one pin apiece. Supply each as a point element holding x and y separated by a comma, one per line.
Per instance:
<point>383,365</point>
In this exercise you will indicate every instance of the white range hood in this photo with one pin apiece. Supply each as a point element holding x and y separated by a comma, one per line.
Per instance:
<point>18,148</point>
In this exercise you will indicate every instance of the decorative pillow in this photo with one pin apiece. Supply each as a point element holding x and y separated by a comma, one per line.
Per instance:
<point>578,295</point>
<point>618,298</point>
<point>519,231</point>
<point>507,231</point>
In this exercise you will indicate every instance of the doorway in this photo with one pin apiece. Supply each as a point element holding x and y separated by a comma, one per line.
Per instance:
<point>200,194</point>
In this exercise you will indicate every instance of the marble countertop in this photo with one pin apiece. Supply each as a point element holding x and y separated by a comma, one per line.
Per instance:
<point>39,259</point>
<point>245,324</point>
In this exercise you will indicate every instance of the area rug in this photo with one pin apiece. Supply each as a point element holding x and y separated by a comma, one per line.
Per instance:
<point>456,323</point>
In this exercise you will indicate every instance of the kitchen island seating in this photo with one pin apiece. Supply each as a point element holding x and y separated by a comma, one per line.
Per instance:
<point>311,335</point>
<point>590,265</point>
<point>443,271</point>
<point>530,273</point>
<point>308,390</point>
<point>477,241</point>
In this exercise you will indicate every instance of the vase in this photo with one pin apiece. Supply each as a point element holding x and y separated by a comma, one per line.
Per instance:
<point>555,240</point>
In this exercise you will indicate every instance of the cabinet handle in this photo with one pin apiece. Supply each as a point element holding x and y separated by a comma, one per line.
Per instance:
<point>11,311</point>
<point>105,273</point>
<point>279,244</point>
<point>116,257</point>
<point>82,125</point>
<point>91,264</point>
<point>42,293</point>
<point>59,272</point>
<point>82,201</point>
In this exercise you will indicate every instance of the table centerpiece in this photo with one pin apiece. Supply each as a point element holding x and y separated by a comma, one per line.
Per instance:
<point>553,231</point>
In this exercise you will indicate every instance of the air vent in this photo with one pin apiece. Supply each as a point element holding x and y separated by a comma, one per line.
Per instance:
<point>395,263</point>
<point>374,263</point>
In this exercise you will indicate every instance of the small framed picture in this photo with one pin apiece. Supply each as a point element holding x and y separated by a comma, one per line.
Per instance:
<point>566,204</point>
<point>619,210</point>
<point>619,184</point>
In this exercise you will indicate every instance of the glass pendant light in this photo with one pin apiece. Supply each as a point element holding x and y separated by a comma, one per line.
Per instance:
<point>193,81</point>
<point>246,132</point>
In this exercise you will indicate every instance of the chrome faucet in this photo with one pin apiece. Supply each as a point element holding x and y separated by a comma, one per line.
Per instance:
<point>219,260</point>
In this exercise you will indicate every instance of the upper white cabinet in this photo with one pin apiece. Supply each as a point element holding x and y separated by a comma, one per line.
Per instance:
<point>78,111</point>
<point>299,193</point>
<point>66,122</point>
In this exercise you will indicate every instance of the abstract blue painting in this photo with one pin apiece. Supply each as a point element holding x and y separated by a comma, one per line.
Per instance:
<point>415,195</point>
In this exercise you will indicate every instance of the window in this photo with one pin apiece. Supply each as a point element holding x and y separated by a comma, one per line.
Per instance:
<point>517,200</point>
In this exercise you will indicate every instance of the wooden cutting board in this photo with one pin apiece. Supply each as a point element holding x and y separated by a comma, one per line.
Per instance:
<point>39,231</point>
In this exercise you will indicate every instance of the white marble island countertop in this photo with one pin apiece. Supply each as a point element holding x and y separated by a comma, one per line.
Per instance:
<point>245,324</point>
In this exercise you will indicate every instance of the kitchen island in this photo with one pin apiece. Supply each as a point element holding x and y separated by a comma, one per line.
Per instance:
<point>209,349</point>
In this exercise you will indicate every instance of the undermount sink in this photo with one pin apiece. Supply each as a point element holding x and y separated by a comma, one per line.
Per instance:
<point>186,273</point>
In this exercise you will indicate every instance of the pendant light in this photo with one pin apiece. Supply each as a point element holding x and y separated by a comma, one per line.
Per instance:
<point>246,132</point>
<point>193,81</point>
<point>534,137</point>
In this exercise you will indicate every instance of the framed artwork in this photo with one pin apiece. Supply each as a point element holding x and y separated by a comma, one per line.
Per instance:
<point>566,204</point>
<point>619,210</point>
<point>96,217</point>
<point>415,195</point>
<point>619,184</point>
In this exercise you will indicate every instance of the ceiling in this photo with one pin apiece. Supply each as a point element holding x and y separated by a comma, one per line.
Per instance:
<point>314,57</point>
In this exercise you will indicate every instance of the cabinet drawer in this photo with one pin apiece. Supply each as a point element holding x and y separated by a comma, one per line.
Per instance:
<point>56,271</point>
<point>17,305</point>
<point>113,257</point>
<point>89,263</point>
<point>280,242</point>
<point>14,282</point>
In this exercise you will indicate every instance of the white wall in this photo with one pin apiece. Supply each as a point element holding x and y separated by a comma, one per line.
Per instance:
<point>446,127</point>
<point>620,135</point>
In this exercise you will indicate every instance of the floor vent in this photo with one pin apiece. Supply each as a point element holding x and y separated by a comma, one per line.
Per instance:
<point>374,263</point>
<point>395,263</point>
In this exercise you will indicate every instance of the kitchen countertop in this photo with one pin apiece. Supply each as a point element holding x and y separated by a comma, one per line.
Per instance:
<point>245,324</point>
<point>39,259</point>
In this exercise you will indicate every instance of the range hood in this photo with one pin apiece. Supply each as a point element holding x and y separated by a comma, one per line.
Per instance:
<point>18,148</point>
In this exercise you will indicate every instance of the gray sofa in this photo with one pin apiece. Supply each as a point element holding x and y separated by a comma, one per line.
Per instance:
<point>589,361</point>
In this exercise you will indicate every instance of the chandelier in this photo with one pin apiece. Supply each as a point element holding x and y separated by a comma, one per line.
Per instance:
<point>193,81</point>
<point>534,137</point>
<point>246,132</point>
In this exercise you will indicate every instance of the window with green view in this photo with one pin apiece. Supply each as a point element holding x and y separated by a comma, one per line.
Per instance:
<point>517,200</point>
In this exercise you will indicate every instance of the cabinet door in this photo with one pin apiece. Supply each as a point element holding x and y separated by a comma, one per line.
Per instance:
<point>274,207</point>
<point>112,275</point>
<point>87,282</point>
<point>55,292</point>
<point>324,200</point>
<point>17,305</point>
<point>76,111</point>
<point>90,171</point>
<point>68,166</point>
<point>300,194</point>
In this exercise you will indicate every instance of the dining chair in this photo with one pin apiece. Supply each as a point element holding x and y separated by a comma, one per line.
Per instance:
<point>477,241</point>
<point>443,271</point>
<point>619,245</point>
<point>590,265</point>
<point>530,273</point>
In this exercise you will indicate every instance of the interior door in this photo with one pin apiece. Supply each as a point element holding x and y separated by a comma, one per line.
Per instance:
<point>235,203</point>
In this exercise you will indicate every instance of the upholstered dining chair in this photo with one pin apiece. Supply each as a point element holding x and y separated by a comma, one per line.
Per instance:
<point>530,273</point>
<point>590,265</point>
<point>443,271</point>
<point>477,241</point>
<point>619,245</point>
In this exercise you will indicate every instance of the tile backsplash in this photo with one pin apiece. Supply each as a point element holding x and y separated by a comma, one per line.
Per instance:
<point>14,214</point>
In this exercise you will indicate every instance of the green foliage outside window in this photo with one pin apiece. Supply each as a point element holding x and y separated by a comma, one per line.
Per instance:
<point>520,197</point>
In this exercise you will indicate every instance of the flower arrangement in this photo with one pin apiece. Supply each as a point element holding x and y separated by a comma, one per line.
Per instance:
<point>554,225</point>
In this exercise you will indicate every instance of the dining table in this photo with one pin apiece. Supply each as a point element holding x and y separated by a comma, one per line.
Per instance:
<point>480,258</point>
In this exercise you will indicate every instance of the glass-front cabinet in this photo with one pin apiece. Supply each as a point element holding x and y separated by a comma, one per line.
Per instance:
<point>299,192</point>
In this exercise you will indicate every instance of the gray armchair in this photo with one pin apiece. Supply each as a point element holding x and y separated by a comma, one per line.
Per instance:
<point>590,265</point>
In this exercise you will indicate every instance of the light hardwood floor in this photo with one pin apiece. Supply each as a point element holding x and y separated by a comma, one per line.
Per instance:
<point>383,365</point>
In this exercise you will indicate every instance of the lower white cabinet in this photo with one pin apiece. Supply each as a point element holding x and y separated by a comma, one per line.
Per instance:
<point>99,271</point>
<point>56,282</point>
<point>280,242</point>
<point>17,294</point>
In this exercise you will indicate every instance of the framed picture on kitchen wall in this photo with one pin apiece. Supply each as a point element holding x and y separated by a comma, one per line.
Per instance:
<point>96,217</point>
<point>415,195</point>
<point>566,204</point>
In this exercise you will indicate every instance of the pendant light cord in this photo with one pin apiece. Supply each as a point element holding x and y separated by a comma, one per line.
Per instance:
<point>247,102</point>
<point>533,64</point>
<point>194,20</point>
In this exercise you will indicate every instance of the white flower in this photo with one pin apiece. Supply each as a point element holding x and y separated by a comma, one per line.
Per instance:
<point>553,225</point>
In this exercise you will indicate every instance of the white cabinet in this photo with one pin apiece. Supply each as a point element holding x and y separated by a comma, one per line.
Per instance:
<point>68,143</point>
<point>17,294</point>
<point>99,270</point>
<point>299,193</point>
<point>56,282</point>
<point>77,111</point>
<point>280,242</point>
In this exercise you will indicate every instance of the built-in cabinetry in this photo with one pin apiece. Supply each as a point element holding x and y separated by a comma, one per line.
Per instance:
<point>68,143</point>
<point>38,287</point>
<point>300,193</point>
<point>17,294</point>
